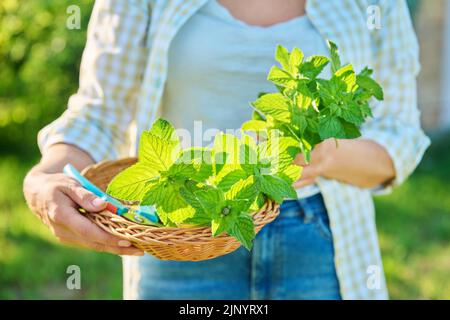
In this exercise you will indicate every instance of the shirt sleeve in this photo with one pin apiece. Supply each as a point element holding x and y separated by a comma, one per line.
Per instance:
<point>396,121</point>
<point>98,116</point>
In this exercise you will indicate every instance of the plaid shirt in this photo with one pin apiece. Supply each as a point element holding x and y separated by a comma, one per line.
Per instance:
<point>124,68</point>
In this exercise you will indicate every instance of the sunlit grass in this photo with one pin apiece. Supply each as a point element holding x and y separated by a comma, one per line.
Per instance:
<point>32,264</point>
<point>413,224</point>
<point>414,230</point>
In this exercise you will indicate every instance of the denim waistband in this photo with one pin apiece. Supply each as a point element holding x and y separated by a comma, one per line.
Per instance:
<point>305,207</point>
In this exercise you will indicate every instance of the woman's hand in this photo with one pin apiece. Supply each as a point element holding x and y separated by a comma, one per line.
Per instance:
<point>321,156</point>
<point>55,199</point>
<point>360,162</point>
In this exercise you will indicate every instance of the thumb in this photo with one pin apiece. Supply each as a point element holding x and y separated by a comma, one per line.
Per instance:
<point>84,198</point>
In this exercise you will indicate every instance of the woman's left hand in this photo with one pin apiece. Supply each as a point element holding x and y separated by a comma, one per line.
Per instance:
<point>321,156</point>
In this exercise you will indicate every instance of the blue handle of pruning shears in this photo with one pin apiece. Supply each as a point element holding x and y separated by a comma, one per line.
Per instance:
<point>85,183</point>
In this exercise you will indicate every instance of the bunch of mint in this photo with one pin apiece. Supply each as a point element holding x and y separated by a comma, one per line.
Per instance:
<point>311,109</point>
<point>219,186</point>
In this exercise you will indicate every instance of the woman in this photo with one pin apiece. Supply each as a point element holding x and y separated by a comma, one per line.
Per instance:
<point>204,61</point>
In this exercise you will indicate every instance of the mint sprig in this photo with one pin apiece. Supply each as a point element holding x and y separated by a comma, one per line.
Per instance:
<point>311,109</point>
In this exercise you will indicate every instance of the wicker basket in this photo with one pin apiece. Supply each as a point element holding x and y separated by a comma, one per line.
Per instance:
<point>182,244</point>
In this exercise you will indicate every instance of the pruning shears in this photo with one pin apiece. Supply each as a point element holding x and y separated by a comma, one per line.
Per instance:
<point>141,214</point>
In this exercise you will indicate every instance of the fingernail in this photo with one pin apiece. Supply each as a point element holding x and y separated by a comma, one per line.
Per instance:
<point>98,202</point>
<point>124,243</point>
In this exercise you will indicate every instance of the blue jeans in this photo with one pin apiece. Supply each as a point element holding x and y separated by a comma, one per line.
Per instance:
<point>292,258</point>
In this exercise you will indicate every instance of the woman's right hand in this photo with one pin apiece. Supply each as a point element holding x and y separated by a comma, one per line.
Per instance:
<point>55,199</point>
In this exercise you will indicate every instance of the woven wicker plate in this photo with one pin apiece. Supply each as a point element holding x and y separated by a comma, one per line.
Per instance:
<point>182,244</point>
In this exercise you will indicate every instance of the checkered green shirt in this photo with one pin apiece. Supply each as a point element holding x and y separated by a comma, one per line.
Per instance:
<point>124,68</point>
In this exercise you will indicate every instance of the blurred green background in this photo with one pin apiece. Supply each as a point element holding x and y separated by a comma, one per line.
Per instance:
<point>39,61</point>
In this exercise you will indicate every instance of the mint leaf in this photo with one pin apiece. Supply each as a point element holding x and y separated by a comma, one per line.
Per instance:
<point>130,183</point>
<point>295,60</point>
<point>282,56</point>
<point>226,149</point>
<point>254,125</point>
<point>334,56</point>
<point>156,152</point>
<point>347,75</point>
<point>371,86</point>
<point>211,199</point>
<point>275,105</point>
<point>291,173</point>
<point>243,190</point>
<point>201,160</point>
<point>164,130</point>
<point>276,188</point>
<point>330,127</point>
<point>227,216</point>
<point>201,217</point>
<point>279,77</point>
<point>230,179</point>
<point>180,215</point>
<point>181,171</point>
<point>313,66</point>
<point>243,230</point>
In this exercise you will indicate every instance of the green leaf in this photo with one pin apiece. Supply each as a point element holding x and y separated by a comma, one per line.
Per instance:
<point>303,101</point>
<point>181,171</point>
<point>282,56</point>
<point>201,217</point>
<point>254,125</point>
<point>351,131</point>
<point>278,152</point>
<point>243,190</point>
<point>164,130</point>
<point>352,114</point>
<point>225,221</point>
<point>130,184</point>
<point>334,56</point>
<point>227,147</point>
<point>275,105</point>
<point>201,160</point>
<point>295,60</point>
<point>313,66</point>
<point>156,152</point>
<point>248,156</point>
<point>276,188</point>
<point>291,173</point>
<point>347,75</point>
<point>257,115</point>
<point>371,86</point>
<point>165,195</point>
<point>232,177</point>
<point>244,230</point>
<point>279,77</point>
<point>211,199</point>
<point>330,127</point>
<point>181,215</point>
<point>220,225</point>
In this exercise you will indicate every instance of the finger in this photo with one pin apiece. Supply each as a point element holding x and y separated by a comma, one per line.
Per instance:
<point>308,172</point>
<point>81,243</point>
<point>66,236</point>
<point>68,217</point>
<point>303,183</point>
<point>300,160</point>
<point>83,197</point>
